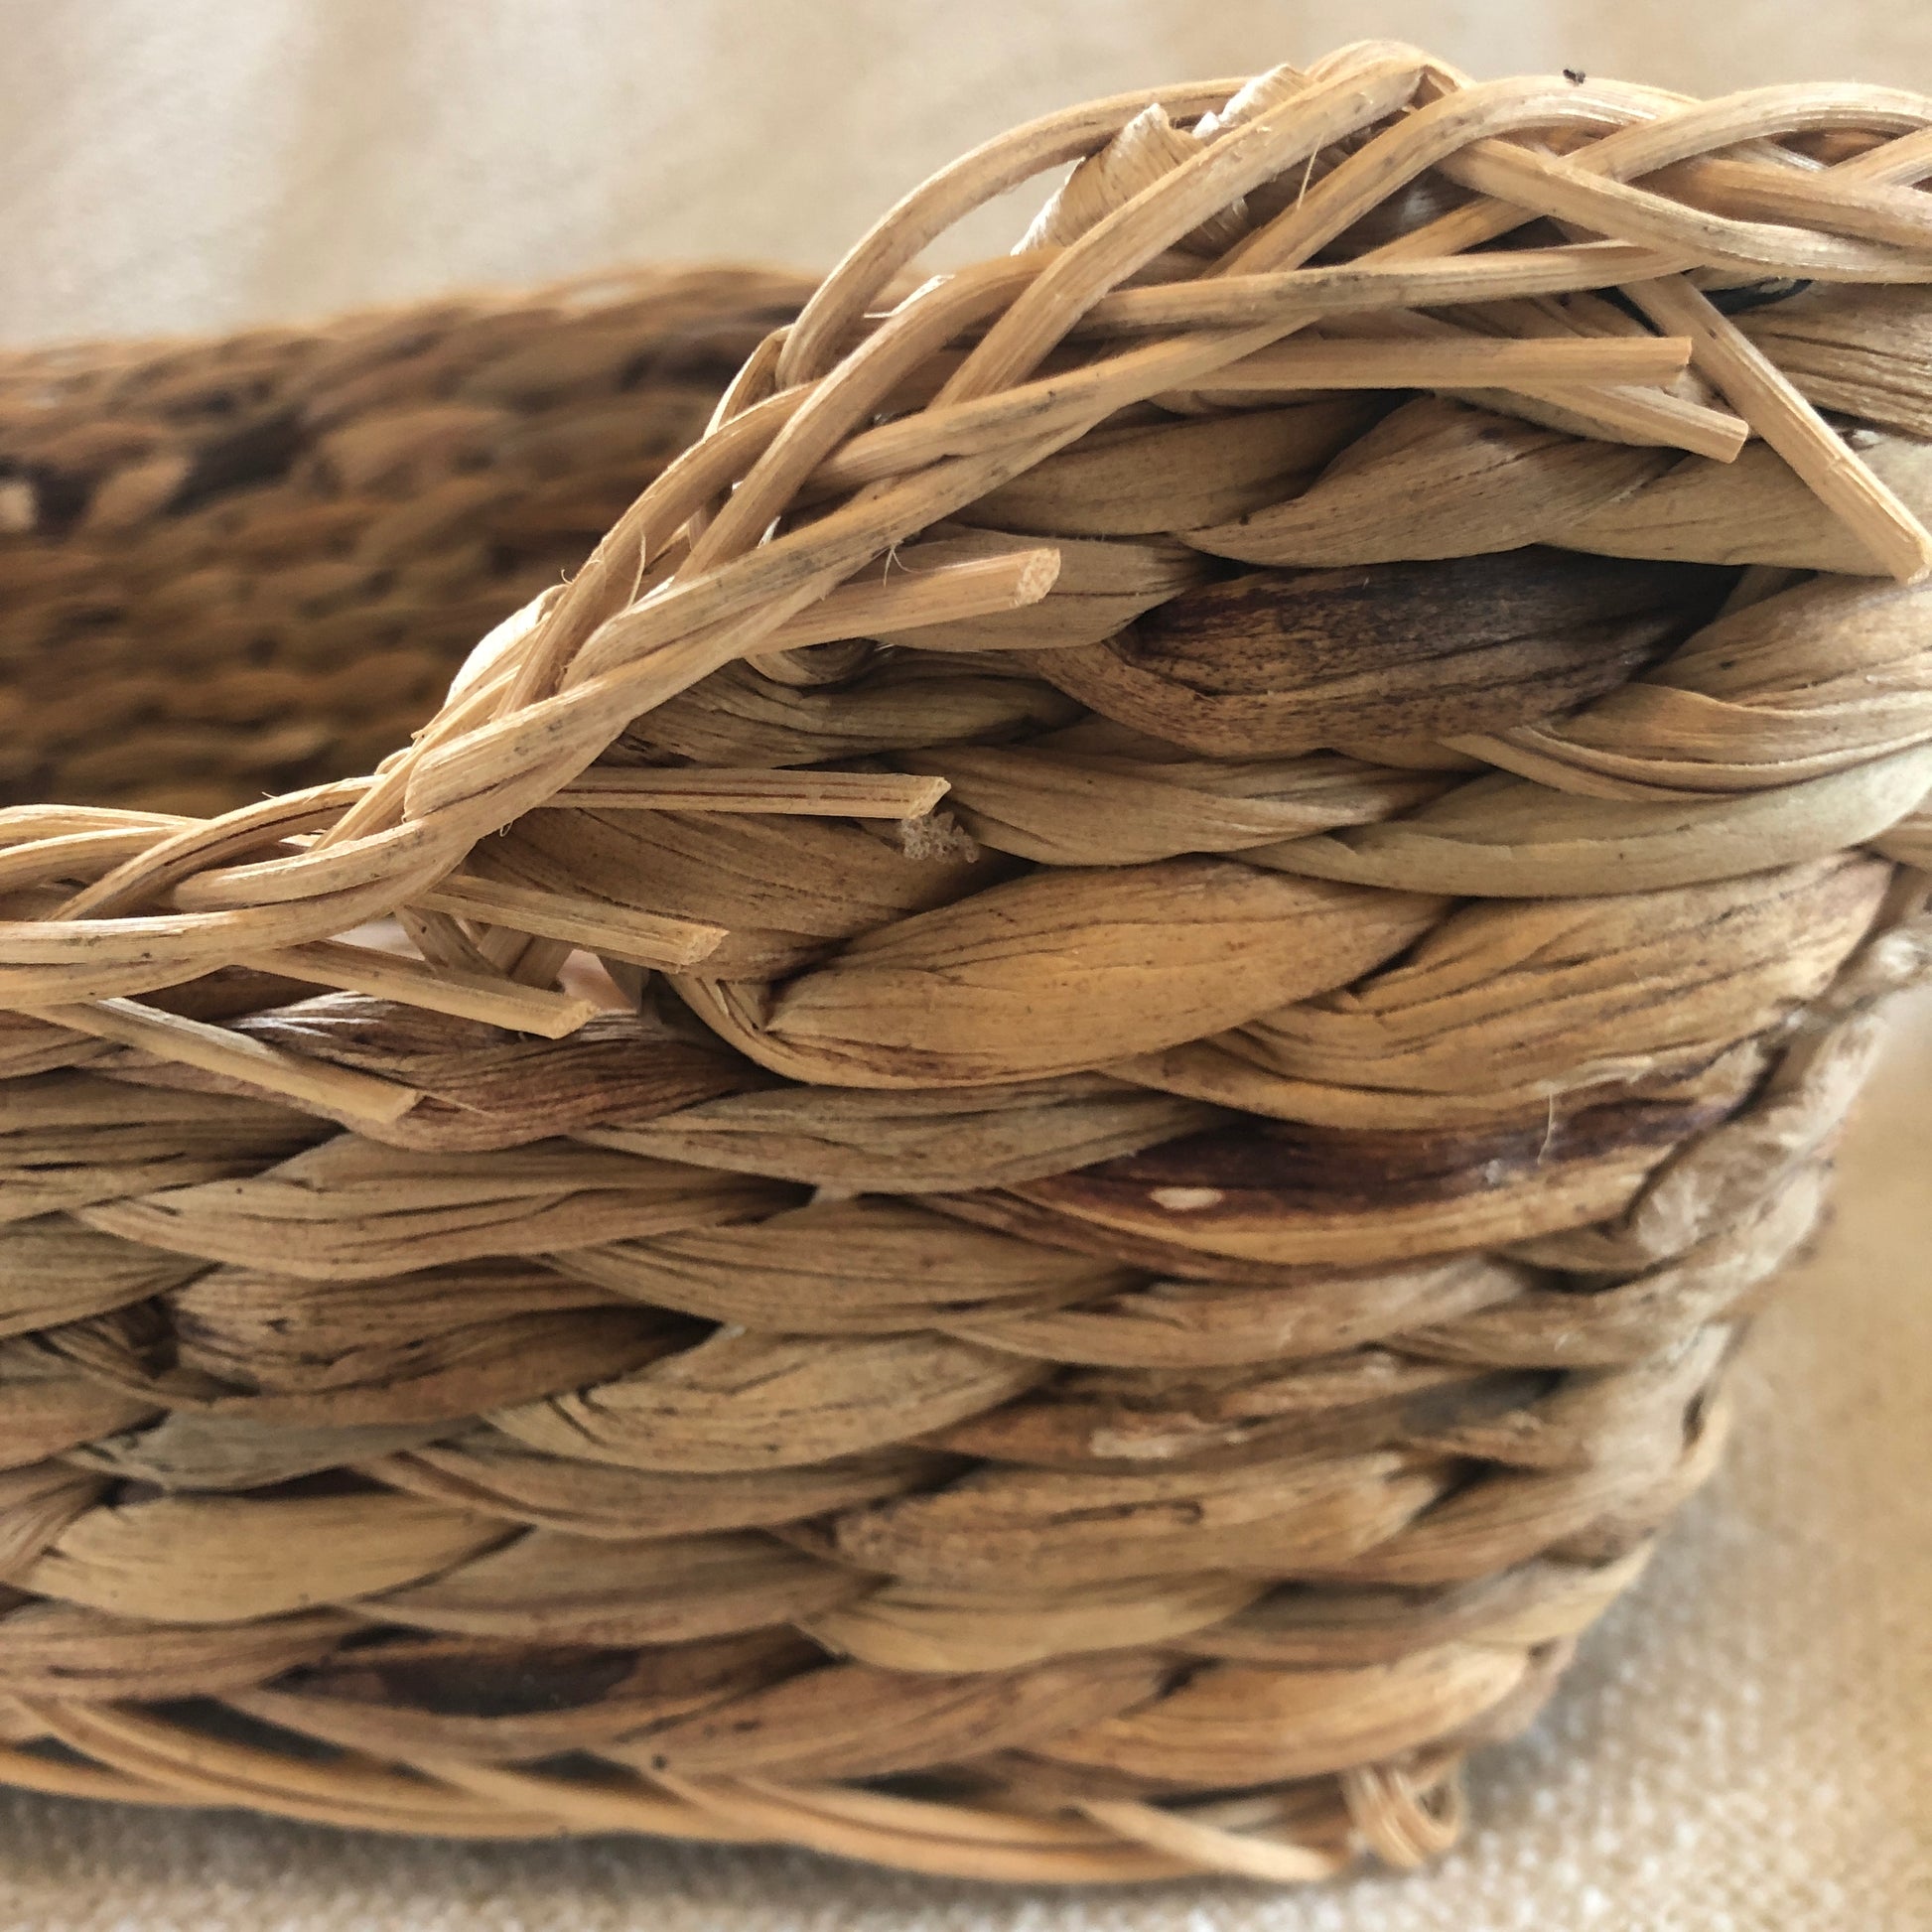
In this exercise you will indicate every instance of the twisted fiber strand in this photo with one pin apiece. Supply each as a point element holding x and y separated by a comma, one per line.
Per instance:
<point>1114,1328</point>
<point>1174,203</point>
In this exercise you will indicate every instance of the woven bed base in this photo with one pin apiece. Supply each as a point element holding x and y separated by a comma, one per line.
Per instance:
<point>1030,1146</point>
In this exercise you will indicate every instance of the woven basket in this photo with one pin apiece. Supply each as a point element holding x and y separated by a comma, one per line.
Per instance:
<point>1029,1146</point>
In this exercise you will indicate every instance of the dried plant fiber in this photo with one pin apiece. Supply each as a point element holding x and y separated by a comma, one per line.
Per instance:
<point>1029,1143</point>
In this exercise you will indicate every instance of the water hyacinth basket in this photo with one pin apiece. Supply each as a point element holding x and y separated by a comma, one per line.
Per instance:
<point>1028,1143</point>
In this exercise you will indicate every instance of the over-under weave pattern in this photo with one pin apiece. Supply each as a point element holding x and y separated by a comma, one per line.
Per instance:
<point>1243,865</point>
<point>237,565</point>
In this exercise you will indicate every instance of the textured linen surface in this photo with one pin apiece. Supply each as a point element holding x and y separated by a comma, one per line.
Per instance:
<point>1747,1743</point>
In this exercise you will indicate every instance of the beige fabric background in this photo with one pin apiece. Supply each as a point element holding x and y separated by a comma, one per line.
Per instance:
<point>1747,1743</point>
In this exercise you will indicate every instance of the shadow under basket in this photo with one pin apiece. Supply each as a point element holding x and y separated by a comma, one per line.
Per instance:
<point>1029,1143</point>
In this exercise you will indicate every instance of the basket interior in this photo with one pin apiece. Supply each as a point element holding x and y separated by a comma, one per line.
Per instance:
<point>238,565</point>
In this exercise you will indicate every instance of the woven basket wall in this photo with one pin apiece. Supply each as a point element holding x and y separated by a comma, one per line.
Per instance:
<point>1027,1146</point>
<point>236,567</point>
